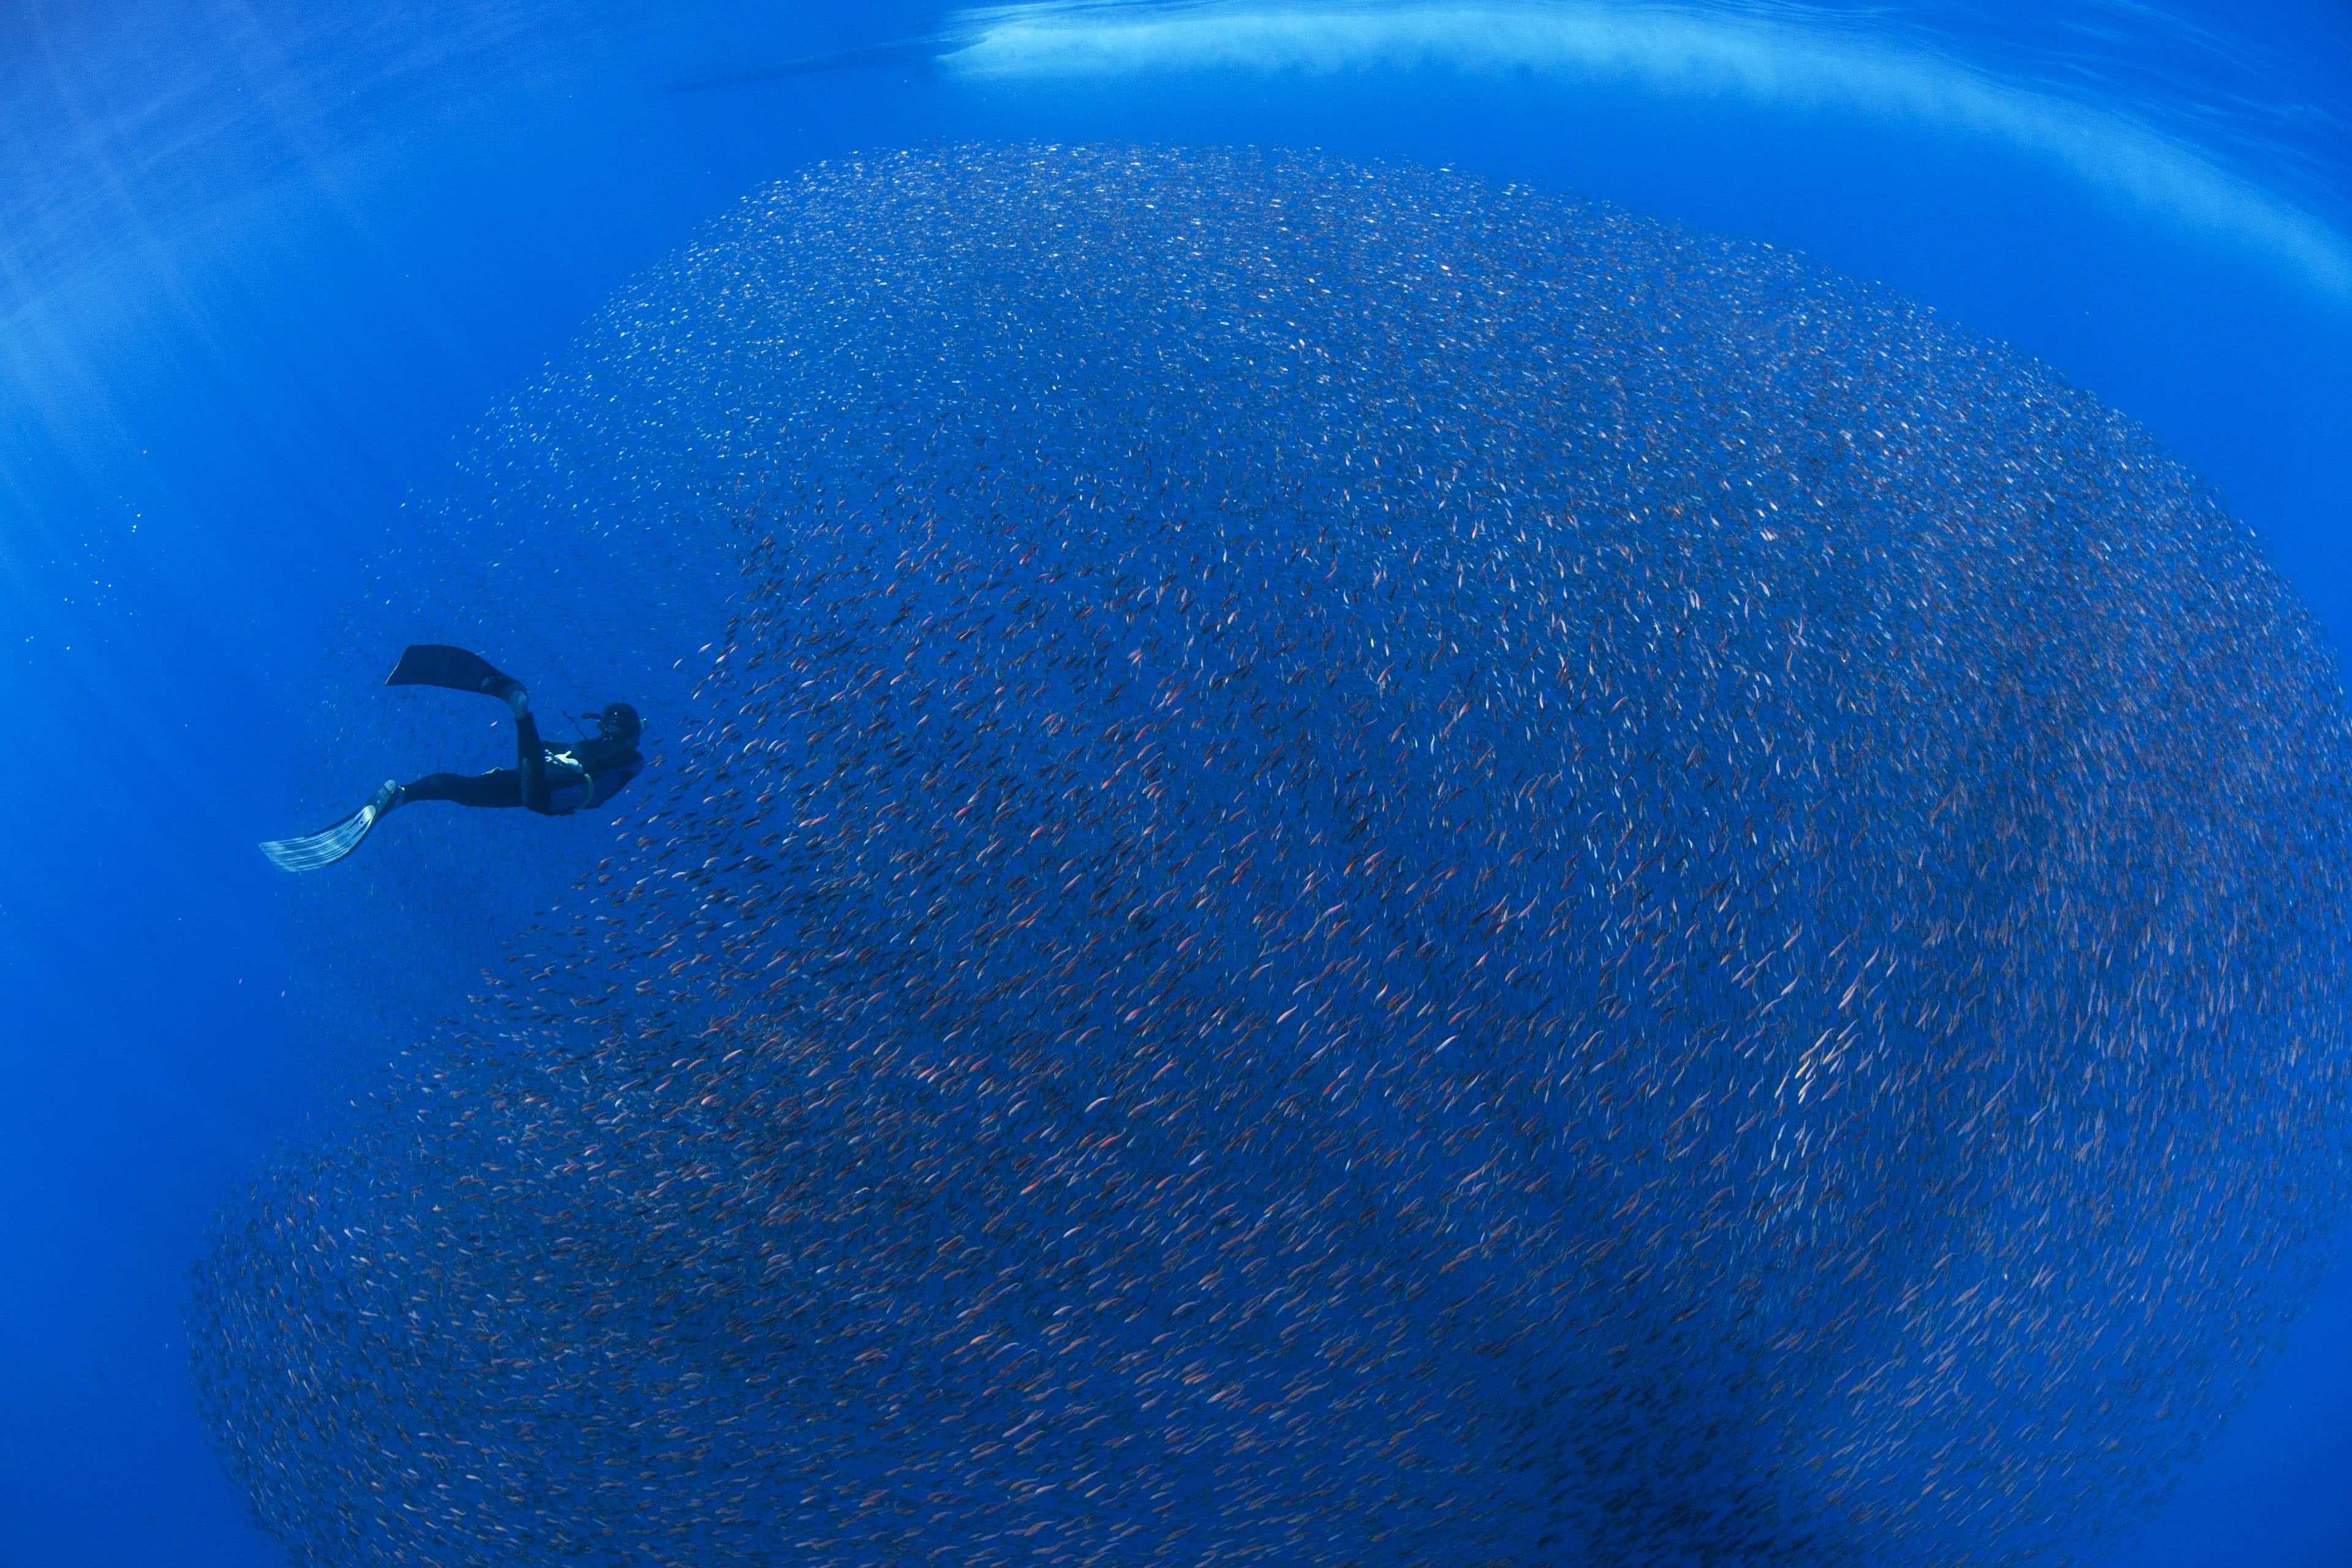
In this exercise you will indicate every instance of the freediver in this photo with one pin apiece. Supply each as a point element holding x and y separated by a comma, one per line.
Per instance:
<point>550,779</point>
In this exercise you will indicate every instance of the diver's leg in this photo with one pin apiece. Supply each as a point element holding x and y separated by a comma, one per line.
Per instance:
<point>502,787</point>
<point>530,754</point>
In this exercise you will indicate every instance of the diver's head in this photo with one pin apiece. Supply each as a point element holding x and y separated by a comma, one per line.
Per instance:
<point>619,722</point>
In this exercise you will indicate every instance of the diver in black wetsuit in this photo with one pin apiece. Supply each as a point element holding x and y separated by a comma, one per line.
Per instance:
<point>554,781</point>
<point>550,779</point>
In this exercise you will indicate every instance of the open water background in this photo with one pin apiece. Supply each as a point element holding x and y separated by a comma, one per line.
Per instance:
<point>264,271</point>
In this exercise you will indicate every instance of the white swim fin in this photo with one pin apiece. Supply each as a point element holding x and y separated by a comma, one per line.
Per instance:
<point>329,845</point>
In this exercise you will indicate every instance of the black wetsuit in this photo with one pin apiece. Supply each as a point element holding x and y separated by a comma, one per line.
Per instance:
<point>554,781</point>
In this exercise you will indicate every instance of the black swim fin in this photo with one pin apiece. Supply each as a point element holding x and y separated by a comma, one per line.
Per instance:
<point>436,664</point>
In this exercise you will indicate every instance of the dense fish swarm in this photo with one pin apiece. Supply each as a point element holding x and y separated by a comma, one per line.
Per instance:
<point>1379,870</point>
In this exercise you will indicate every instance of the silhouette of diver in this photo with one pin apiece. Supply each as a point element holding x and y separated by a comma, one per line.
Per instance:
<point>553,780</point>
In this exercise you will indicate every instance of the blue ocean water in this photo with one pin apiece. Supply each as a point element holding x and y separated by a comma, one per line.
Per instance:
<point>274,280</point>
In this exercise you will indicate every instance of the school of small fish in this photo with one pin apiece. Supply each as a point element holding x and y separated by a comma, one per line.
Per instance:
<point>1377,869</point>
